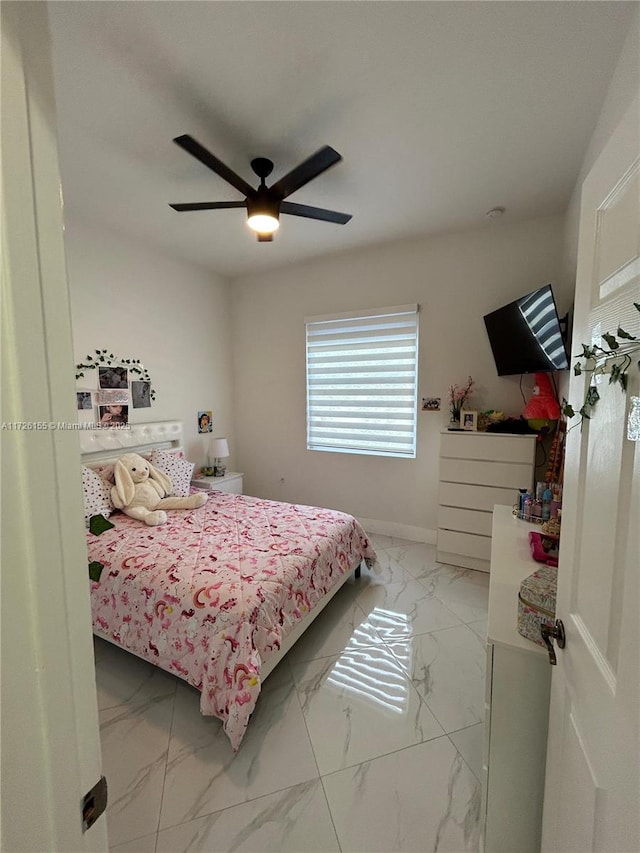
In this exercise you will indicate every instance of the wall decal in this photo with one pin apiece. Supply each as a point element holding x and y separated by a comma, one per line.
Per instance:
<point>114,372</point>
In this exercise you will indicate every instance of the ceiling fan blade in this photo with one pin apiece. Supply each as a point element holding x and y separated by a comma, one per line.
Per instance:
<point>314,212</point>
<point>306,171</point>
<point>208,159</point>
<point>208,205</point>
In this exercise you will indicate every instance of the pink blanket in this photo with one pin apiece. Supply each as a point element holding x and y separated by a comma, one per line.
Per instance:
<point>210,594</point>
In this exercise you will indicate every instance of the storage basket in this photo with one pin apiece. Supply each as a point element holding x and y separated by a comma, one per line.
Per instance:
<point>485,419</point>
<point>537,603</point>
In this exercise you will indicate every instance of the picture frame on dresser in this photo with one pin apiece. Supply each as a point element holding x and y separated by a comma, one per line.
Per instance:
<point>469,420</point>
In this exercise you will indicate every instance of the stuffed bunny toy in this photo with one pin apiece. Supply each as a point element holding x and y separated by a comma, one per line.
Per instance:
<point>140,491</point>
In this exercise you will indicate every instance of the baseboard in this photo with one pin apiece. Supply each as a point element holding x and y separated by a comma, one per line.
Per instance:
<point>463,561</point>
<point>402,531</point>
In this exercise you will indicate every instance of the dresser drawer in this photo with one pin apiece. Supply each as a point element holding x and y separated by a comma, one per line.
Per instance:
<point>475,497</point>
<point>465,520</point>
<point>466,544</point>
<point>508,474</point>
<point>477,472</point>
<point>488,446</point>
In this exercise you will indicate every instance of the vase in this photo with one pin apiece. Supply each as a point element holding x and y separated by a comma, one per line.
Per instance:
<point>454,423</point>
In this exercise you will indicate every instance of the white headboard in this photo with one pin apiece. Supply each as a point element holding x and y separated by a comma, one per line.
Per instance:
<point>101,445</point>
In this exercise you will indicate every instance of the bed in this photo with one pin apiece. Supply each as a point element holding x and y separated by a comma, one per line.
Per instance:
<point>219,594</point>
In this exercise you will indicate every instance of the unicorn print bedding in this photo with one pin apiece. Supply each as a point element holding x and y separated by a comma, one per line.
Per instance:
<point>211,594</point>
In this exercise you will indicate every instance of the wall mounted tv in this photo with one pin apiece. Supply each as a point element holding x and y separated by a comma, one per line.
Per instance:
<point>526,336</point>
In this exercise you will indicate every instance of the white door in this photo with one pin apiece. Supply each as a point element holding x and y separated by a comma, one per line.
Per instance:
<point>50,738</point>
<point>592,792</point>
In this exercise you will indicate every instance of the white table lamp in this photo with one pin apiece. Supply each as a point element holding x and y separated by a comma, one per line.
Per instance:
<point>219,449</point>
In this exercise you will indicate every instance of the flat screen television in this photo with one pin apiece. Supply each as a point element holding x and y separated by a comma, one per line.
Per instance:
<point>526,335</point>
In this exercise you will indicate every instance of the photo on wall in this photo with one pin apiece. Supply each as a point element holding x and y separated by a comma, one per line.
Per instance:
<point>109,396</point>
<point>140,394</point>
<point>431,404</point>
<point>83,401</point>
<point>113,377</point>
<point>113,415</point>
<point>205,422</point>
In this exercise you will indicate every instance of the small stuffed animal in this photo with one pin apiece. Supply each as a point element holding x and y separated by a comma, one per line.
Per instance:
<point>543,406</point>
<point>140,491</point>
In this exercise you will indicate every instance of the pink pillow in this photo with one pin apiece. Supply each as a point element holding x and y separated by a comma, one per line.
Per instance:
<point>106,472</point>
<point>177,468</point>
<point>96,493</point>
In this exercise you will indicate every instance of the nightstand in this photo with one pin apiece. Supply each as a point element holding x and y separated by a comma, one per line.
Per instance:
<point>231,482</point>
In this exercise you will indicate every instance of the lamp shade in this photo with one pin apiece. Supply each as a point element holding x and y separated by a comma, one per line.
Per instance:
<point>219,448</point>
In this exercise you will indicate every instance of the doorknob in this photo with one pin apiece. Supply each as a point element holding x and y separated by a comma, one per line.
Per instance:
<point>550,633</point>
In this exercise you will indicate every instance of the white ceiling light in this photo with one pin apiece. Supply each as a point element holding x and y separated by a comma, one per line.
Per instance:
<point>263,223</point>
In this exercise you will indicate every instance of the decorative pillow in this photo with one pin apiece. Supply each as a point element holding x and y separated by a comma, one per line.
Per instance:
<point>177,468</point>
<point>108,470</point>
<point>97,495</point>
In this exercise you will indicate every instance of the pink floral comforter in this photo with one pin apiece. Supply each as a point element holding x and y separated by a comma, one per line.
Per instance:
<point>210,594</point>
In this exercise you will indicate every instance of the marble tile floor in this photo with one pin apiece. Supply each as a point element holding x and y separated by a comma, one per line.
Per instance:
<point>367,737</point>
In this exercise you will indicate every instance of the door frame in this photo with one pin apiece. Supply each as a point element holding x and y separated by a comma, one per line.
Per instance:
<point>50,734</point>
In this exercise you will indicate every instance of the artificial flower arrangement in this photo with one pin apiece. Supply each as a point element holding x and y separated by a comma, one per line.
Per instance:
<point>614,357</point>
<point>457,398</point>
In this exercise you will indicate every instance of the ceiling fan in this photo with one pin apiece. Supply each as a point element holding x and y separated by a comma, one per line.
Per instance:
<point>265,204</point>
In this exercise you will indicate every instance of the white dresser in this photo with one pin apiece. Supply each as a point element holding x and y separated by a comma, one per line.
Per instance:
<point>231,482</point>
<point>477,471</point>
<point>518,683</point>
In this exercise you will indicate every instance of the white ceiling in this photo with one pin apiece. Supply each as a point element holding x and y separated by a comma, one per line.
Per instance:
<point>441,110</point>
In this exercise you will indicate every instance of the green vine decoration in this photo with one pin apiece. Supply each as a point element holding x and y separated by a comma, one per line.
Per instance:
<point>617,357</point>
<point>102,359</point>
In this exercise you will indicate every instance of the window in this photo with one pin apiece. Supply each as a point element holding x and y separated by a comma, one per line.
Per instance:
<point>362,382</point>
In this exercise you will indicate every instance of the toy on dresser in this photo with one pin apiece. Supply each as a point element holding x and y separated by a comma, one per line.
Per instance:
<point>543,410</point>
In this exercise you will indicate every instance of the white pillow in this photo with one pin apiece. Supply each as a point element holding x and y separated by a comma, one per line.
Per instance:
<point>177,468</point>
<point>96,493</point>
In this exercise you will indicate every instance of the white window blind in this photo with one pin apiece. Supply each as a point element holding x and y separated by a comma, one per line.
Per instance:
<point>362,382</point>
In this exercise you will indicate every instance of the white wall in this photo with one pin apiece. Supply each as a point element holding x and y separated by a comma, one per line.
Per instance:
<point>456,279</point>
<point>173,316</point>
<point>623,87</point>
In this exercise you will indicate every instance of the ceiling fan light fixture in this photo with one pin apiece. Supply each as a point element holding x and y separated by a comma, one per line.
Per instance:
<point>263,223</point>
<point>265,204</point>
<point>263,212</point>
